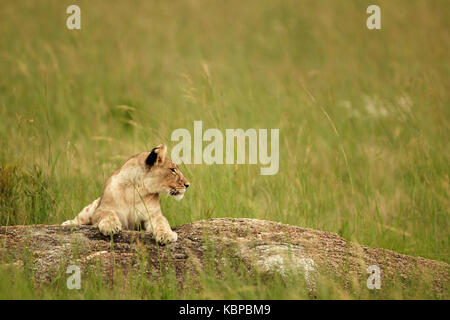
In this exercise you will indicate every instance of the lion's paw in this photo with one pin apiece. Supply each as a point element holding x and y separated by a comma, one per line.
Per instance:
<point>110,226</point>
<point>69,223</point>
<point>164,237</point>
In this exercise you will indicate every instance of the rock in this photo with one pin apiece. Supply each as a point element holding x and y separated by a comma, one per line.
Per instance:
<point>263,246</point>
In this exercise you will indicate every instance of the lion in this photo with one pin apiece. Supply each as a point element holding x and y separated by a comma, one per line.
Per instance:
<point>130,198</point>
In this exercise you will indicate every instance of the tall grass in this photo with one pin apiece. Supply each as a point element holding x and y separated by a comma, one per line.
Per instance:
<point>363,115</point>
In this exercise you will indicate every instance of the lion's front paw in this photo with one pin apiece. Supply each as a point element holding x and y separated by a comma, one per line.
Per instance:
<point>110,226</point>
<point>164,237</point>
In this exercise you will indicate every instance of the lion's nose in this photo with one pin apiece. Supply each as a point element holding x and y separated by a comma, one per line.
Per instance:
<point>186,185</point>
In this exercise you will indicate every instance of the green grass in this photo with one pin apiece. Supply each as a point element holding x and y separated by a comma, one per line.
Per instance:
<point>363,115</point>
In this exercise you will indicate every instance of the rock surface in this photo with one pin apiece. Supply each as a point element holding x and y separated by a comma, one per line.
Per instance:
<point>263,246</point>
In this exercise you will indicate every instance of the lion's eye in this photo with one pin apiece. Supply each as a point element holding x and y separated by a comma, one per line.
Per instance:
<point>172,169</point>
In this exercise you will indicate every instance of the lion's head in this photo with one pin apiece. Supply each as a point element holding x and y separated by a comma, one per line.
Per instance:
<point>162,175</point>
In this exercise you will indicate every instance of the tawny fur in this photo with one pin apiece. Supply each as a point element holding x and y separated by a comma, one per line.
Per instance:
<point>130,199</point>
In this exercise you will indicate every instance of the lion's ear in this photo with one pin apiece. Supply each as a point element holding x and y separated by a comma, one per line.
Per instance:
<point>157,156</point>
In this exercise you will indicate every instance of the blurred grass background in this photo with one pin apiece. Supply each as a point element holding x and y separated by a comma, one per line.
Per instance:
<point>363,115</point>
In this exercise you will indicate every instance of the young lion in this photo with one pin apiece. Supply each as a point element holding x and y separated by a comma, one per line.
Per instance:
<point>130,198</point>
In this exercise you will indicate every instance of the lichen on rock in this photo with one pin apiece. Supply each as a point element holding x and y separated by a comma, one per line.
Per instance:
<point>263,246</point>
